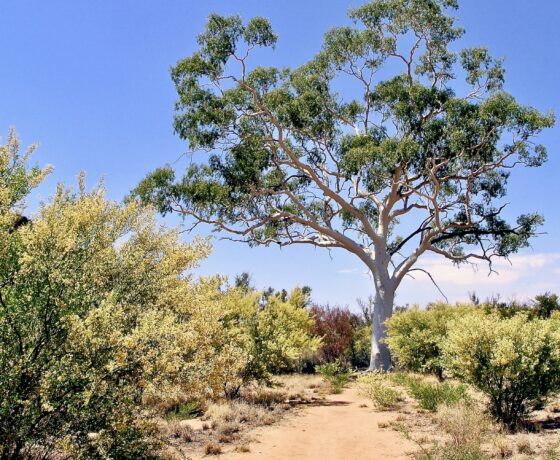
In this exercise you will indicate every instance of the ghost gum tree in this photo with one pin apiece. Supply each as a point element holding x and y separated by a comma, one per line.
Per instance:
<point>387,144</point>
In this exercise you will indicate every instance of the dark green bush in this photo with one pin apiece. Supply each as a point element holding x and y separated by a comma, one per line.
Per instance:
<point>185,411</point>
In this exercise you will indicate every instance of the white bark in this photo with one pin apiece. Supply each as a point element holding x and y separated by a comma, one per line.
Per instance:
<point>385,287</point>
<point>382,310</point>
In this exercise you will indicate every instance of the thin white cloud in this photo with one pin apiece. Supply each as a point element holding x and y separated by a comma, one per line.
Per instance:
<point>522,277</point>
<point>347,271</point>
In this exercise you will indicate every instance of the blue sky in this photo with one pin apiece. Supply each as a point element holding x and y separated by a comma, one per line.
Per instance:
<point>90,82</point>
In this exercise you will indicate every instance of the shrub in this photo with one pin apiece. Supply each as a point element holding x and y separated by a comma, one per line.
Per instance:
<point>87,330</point>
<point>99,322</point>
<point>184,411</point>
<point>414,337</point>
<point>375,387</point>
<point>358,354</point>
<point>545,305</point>
<point>212,449</point>
<point>263,338</point>
<point>514,361</point>
<point>336,374</point>
<point>335,326</point>
<point>465,424</point>
<point>430,395</point>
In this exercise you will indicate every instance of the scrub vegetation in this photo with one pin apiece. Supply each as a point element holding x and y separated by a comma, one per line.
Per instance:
<point>112,349</point>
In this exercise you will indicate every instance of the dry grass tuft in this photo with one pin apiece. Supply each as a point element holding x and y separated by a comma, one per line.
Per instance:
<point>225,439</point>
<point>502,448</point>
<point>244,448</point>
<point>229,428</point>
<point>181,430</point>
<point>239,412</point>
<point>524,446</point>
<point>219,412</point>
<point>168,454</point>
<point>263,396</point>
<point>465,424</point>
<point>212,449</point>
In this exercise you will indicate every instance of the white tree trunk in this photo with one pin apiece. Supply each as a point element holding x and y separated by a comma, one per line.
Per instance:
<point>383,309</point>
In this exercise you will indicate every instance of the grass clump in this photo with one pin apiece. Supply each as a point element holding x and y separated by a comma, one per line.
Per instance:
<point>375,387</point>
<point>466,427</point>
<point>462,453</point>
<point>185,411</point>
<point>180,430</point>
<point>263,396</point>
<point>212,449</point>
<point>240,413</point>
<point>336,374</point>
<point>466,424</point>
<point>431,395</point>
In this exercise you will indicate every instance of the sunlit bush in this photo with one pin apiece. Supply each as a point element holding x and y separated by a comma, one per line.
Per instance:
<point>336,374</point>
<point>414,336</point>
<point>94,318</point>
<point>96,315</point>
<point>514,361</point>
<point>261,337</point>
<point>377,388</point>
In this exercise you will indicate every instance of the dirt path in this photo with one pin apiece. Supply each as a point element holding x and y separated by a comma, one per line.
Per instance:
<point>335,429</point>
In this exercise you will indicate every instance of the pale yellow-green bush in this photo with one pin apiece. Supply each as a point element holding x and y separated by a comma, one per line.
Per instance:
<point>515,361</point>
<point>94,318</point>
<point>414,336</point>
<point>378,389</point>
<point>262,338</point>
<point>101,322</point>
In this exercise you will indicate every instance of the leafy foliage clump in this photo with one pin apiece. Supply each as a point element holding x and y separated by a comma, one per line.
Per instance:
<point>101,323</point>
<point>415,337</point>
<point>375,386</point>
<point>514,361</point>
<point>345,336</point>
<point>261,337</point>
<point>432,395</point>
<point>336,374</point>
<point>92,320</point>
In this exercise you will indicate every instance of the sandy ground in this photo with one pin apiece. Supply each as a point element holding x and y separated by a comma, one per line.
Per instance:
<point>337,428</point>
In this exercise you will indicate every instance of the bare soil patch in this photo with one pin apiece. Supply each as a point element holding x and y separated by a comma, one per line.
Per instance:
<point>343,426</point>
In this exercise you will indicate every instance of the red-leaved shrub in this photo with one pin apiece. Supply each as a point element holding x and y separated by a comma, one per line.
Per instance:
<point>336,325</point>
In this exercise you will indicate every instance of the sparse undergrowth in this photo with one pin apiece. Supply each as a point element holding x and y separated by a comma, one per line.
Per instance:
<point>223,425</point>
<point>375,387</point>
<point>460,427</point>
<point>431,395</point>
<point>336,374</point>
